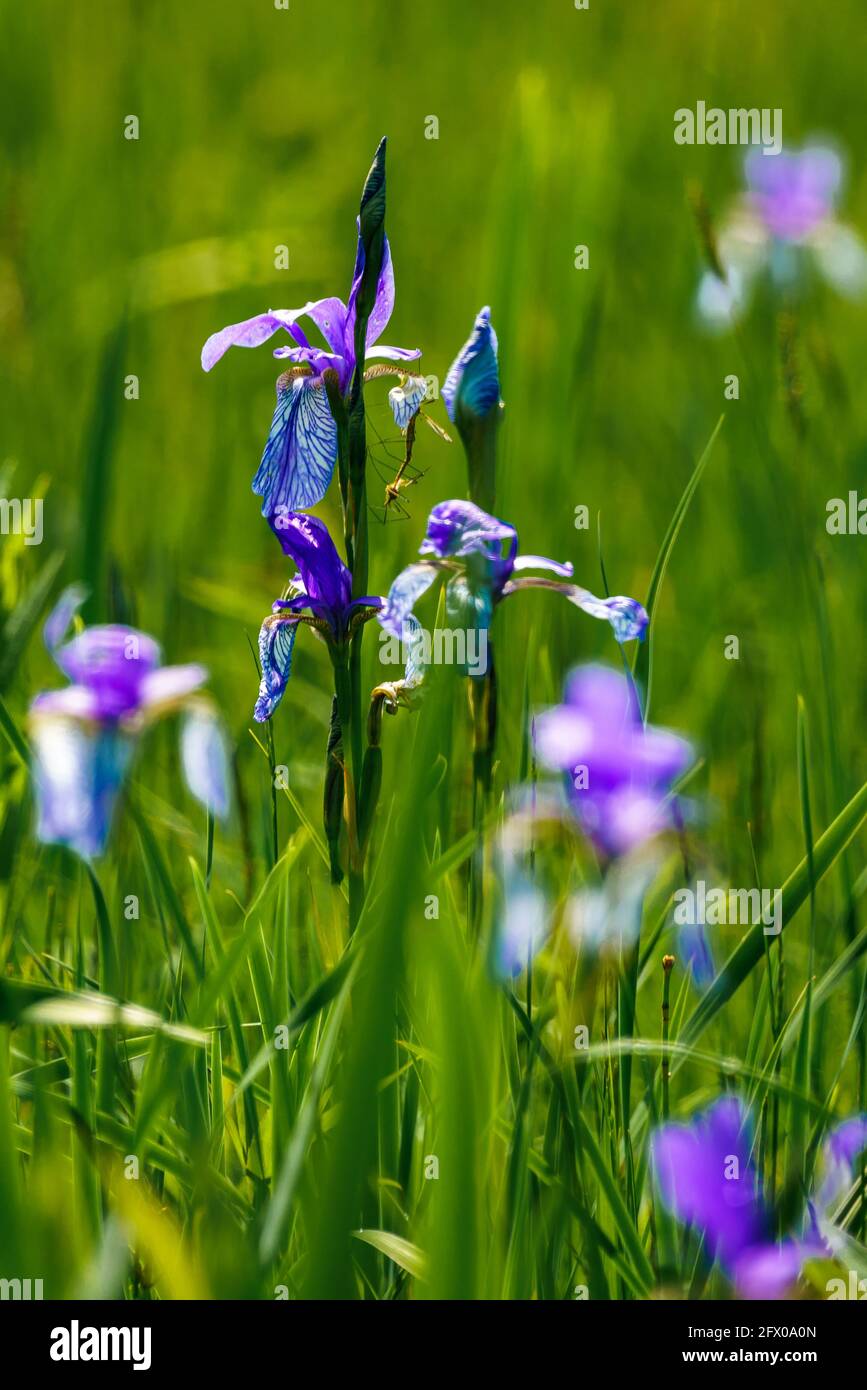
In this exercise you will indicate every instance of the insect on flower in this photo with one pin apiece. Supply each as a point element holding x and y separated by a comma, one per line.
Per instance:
<point>405,400</point>
<point>301,449</point>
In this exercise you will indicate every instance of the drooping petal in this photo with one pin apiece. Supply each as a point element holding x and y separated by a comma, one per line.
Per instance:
<point>301,448</point>
<point>78,771</point>
<point>473,384</point>
<point>406,398</point>
<point>276,640</point>
<point>627,616</point>
<point>608,918</point>
<point>409,586</point>
<point>205,759</point>
<point>169,685</point>
<point>305,539</point>
<point>112,661</point>
<point>414,640</point>
<point>720,302</point>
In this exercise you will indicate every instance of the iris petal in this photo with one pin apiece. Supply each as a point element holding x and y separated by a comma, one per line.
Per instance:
<point>301,449</point>
<point>78,771</point>
<point>205,760</point>
<point>405,399</point>
<point>541,562</point>
<point>627,616</point>
<point>305,539</point>
<point>248,333</point>
<point>276,640</point>
<point>169,684</point>
<point>58,621</point>
<point>409,586</point>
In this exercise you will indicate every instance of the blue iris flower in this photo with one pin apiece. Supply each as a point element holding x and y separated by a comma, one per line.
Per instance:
<point>479,556</point>
<point>320,596</point>
<point>301,449</point>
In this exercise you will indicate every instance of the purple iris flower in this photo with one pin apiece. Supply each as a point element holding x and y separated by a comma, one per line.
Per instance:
<point>84,735</point>
<point>620,770</point>
<point>320,595</point>
<point>784,227</point>
<point>301,448</point>
<point>479,554</point>
<point>843,1146</point>
<point>707,1179</point>
<point>794,190</point>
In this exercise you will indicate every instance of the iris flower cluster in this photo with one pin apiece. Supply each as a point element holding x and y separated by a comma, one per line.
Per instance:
<point>476,553</point>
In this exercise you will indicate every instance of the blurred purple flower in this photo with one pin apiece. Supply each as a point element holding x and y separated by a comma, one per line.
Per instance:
<point>480,556</point>
<point>844,1144</point>
<point>301,448</point>
<point>694,950</point>
<point>620,771</point>
<point>785,222</point>
<point>84,734</point>
<point>320,596</point>
<point>793,191</point>
<point>706,1178</point>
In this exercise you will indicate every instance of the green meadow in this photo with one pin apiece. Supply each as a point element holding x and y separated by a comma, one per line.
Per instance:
<point>220,1078</point>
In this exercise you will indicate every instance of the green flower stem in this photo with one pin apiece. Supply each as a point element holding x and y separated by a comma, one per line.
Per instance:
<point>667,966</point>
<point>347,711</point>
